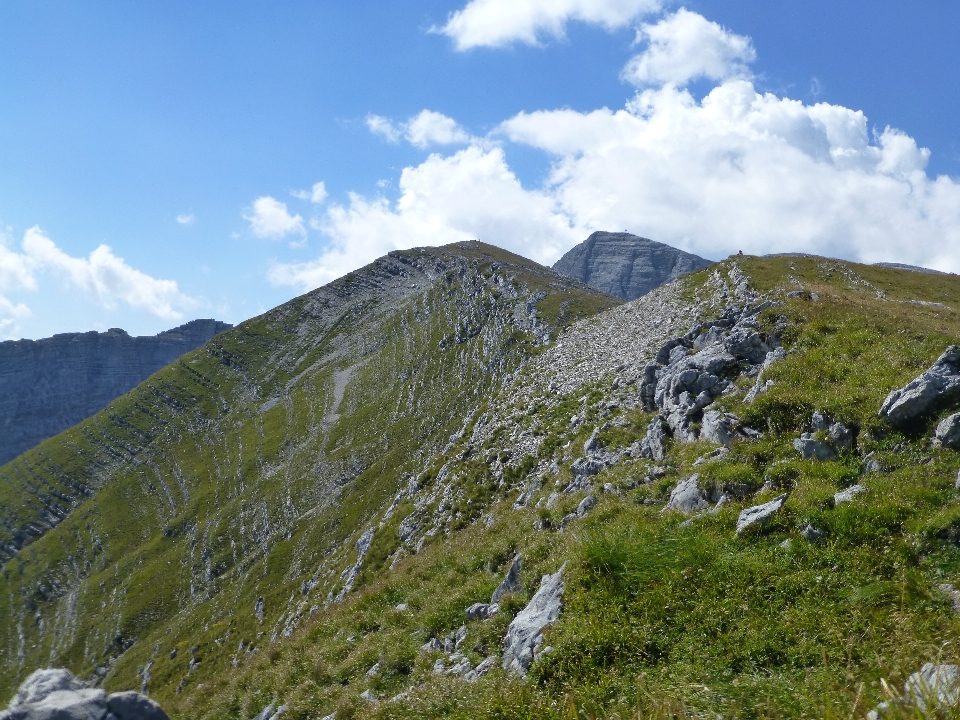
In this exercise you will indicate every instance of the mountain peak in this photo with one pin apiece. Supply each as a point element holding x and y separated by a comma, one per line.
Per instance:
<point>626,265</point>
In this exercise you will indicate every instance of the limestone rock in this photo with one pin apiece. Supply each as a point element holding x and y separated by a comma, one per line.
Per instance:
<point>482,669</point>
<point>934,689</point>
<point>524,637</point>
<point>811,534</point>
<point>55,694</point>
<point>849,494</point>
<point>482,611</point>
<point>921,395</point>
<point>718,428</point>
<point>49,385</point>
<point>41,683</point>
<point>948,431</point>
<point>625,265</point>
<point>509,584</point>
<point>687,497</point>
<point>812,449</point>
<point>132,704</point>
<point>871,464</point>
<point>653,444</point>
<point>760,514</point>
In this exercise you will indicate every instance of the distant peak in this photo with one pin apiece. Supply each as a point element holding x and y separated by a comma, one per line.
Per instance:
<point>626,265</point>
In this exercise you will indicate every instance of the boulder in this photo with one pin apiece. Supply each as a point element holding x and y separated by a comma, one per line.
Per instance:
<point>509,584</point>
<point>812,449</point>
<point>132,704</point>
<point>935,689</point>
<point>591,444</point>
<point>811,534</point>
<point>42,682</point>
<point>871,464</point>
<point>849,494</point>
<point>760,514</point>
<point>948,431</point>
<point>841,437</point>
<point>747,344</point>
<point>718,428</point>
<point>482,669</point>
<point>687,497</point>
<point>55,694</point>
<point>270,712</point>
<point>654,442</point>
<point>923,393</point>
<point>524,637</point>
<point>482,611</point>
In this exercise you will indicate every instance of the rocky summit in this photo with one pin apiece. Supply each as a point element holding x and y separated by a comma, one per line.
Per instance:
<point>456,484</point>
<point>625,265</point>
<point>49,385</point>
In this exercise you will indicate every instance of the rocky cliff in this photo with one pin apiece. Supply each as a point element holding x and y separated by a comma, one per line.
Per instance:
<point>625,265</point>
<point>49,385</point>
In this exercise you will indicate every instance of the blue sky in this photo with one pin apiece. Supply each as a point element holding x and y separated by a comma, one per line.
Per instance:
<point>188,139</point>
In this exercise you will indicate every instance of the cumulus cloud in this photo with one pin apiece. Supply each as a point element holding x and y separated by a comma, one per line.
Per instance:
<point>107,279</point>
<point>316,194</point>
<point>381,126</point>
<point>422,130</point>
<point>268,218</point>
<point>470,194</point>
<point>686,46</point>
<point>495,23</point>
<point>103,277</point>
<point>737,170</point>
<point>751,171</point>
<point>187,219</point>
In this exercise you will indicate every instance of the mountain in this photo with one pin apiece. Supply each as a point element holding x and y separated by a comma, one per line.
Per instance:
<point>625,265</point>
<point>49,385</point>
<point>455,484</point>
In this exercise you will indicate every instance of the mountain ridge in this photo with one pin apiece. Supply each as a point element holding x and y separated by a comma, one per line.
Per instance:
<point>315,510</point>
<point>51,384</point>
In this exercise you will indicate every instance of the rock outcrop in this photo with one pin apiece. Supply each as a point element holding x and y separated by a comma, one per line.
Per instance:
<point>55,694</point>
<point>524,640</point>
<point>49,385</point>
<point>923,393</point>
<point>625,265</point>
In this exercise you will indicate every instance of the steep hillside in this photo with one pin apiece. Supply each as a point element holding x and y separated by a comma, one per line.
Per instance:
<point>724,523</point>
<point>625,265</point>
<point>49,385</point>
<point>232,485</point>
<point>672,612</point>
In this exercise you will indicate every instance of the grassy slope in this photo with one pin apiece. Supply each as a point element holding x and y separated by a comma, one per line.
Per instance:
<point>661,619</point>
<point>231,477</point>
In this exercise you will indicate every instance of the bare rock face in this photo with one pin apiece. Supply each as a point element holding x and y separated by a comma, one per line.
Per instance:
<point>625,265</point>
<point>49,385</point>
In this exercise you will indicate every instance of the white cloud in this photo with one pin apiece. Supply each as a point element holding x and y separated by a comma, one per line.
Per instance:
<point>433,128</point>
<point>750,171</point>
<point>107,279</point>
<point>686,46</point>
<point>470,194</point>
<point>269,218</point>
<point>422,130</point>
<point>737,170</point>
<point>103,277</point>
<point>384,128</point>
<point>316,194</point>
<point>187,219</point>
<point>495,23</point>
